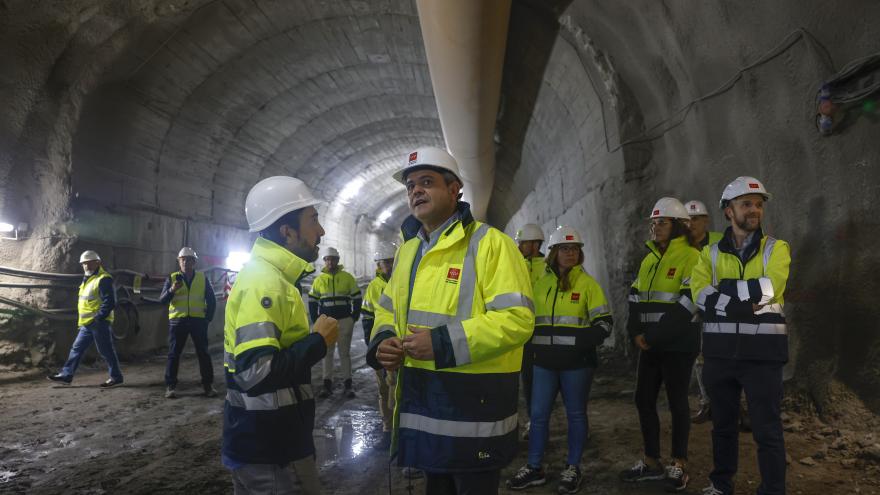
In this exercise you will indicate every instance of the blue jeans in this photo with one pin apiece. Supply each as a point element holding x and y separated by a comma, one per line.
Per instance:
<point>178,331</point>
<point>99,333</point>
<point>575,386</point>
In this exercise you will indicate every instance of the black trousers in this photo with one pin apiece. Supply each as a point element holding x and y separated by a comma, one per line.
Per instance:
<point>673,369</point>
<point>725,380</point>
<point>178,331</point>
<point>482,483</point>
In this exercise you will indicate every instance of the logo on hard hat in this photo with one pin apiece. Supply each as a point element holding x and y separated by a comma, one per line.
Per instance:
<point>656,212</point>
<point>693,207</point>
<point>413,157</point>
<point>752,185</point>
<point>569,237</point>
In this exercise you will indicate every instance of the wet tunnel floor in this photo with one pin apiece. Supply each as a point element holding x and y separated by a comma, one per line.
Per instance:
<point>83,440</point>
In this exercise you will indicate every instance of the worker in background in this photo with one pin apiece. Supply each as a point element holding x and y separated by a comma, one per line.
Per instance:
<point>660,314</point>
<point>335,293</point>
<point>738,285</point>
<point>97,299</point>
<point>700,237</point>
<point>387,380</point>
<point>191,304</point>
<point>529,239</point>
<point>572,318</point>
<point>458,312</point>
<point>269,413</point>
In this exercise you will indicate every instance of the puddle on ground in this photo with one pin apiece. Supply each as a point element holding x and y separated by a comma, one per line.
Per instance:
<point>347,435</point>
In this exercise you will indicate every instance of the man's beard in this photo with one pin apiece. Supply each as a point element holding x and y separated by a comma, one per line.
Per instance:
<point>744,224</point>
<point>306,252</point>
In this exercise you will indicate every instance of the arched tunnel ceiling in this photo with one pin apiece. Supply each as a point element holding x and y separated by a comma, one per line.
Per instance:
<point>186,120</point>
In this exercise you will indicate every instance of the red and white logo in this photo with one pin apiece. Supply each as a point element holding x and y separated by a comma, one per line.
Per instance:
<point>413,157</point>
<point>670,273</point>
<point>453,275</point>
<point>656,213</point>
<point>752,185</point>
<point>693,207</point>
<point>575,296</point>
<point>569,237</point>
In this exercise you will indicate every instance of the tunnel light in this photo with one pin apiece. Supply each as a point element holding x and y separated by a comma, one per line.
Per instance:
<point>384,216</point>
<point>351,190</point>
<point>6,227</point>
<point>236,260</point>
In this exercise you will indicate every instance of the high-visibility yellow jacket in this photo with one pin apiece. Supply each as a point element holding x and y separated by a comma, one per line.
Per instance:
<point>371,300</point>
<point>537,267</point>
<point>569,324</point>
<point>726,286</point>
<point>711,238</point>
<point>335,294</point>
<point>89,303</point>
<point>188,302</point>
<point>457,413</point>
<point>269,352</point>
<point>661,291</point>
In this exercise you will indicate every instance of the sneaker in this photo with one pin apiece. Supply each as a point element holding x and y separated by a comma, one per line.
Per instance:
<point>111,382</point>
<point>384,443</point>
<point>328,389</point>
<point>170,393</point>
<point>570,480</point>
<point>528,427</point>
<point>59,378</point>
<point>711,490</point>
<point>676,478</point>
<point>412,473</point>
<point>210,391</point>
<point>527,476</point>
<point>703,415</point>
<point>642,472</point>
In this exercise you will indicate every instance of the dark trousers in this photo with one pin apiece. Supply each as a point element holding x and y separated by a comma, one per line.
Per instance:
<point>178,331</point>
<point>673,369</point>
<point>526,375</point>
<point>762,382</point>
<point>482,483</point>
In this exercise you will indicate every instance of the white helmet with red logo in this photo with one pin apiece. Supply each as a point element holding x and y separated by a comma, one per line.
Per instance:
<point>669,208</point>
<point>742,186</point>
<point>565,235</point>
<point>696,208</point>
<point>428,157</point>
<point>529,232</point>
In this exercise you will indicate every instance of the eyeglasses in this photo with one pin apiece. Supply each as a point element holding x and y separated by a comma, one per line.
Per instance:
<point>569,248</point>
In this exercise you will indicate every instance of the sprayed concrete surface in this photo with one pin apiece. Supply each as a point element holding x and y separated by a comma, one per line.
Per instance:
<point>82,440</point>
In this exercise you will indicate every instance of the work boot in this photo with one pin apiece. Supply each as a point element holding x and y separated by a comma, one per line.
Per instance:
<point>328,389</point>
<point>642,472</point>
<point>170,393</point>
<point>59,378</point>
<point>384,443</point>
<point>349,392</point>
<point>703,415</point>
<point>527,476</point>
<point>111,382</point>
<point>210,391</point>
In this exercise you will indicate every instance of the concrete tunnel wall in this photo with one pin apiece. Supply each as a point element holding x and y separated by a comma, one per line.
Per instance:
<point>125,122</point>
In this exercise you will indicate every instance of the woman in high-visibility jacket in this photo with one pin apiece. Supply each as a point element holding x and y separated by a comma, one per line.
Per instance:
<point>660,324</point>
<point>572,317</point>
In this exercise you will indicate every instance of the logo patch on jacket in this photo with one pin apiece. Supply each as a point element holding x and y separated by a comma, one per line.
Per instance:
<point>671,273</point>
<point>575,296</point>
<point>453,275</point>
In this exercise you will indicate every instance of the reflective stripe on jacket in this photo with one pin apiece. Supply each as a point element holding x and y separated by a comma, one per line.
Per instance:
<point>336,294</point>
<point>726,288</point>
<point>188,301</point>
<point>458,413</point>
<point>569,324</point>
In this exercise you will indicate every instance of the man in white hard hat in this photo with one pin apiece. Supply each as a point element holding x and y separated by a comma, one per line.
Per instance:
<point>529,239</point>
<point>335,293</point>
<point>269,412</point>
<point>738,285</point>
<point>384,258</point>
<point>97,299</point>
<point>458,312</point>
<point>191,305</point>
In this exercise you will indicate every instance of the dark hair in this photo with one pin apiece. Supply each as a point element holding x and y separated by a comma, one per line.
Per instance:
<point>552,263</point>
<point>678,228</point>
<point>291,219</point>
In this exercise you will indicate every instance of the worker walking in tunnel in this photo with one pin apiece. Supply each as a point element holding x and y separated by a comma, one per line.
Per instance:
<point>700,237</point>
<point>191,305</point>
<point>97,299</point>
<point>387,380</point>
<point>454,317</point>
<point>269,413</point>
<point>738,285</point>
<point>660,324</point>
<point>335,293</point>
<point>529,239</point>
<point>572,318</point>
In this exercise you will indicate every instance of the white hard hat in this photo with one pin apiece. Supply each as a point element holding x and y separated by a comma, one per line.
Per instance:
<point>696,208</point>
<point>273,197</point>
<point>385,252</point>
<point>187,251</point>
<point>742,186</point>
<point>89,256</point>
<point>565,235</point>
<point>428,156</point>
<point>670,208</point>
<point>529,232</point>
<point>331,252</point>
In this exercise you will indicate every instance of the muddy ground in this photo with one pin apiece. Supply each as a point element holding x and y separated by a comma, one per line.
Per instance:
<point>83,440</point>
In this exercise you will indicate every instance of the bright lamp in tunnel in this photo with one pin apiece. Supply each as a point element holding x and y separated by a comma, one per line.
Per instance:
<point>351,190</point>
<point>237,259</point>
<point>385,215</point>
<point>6,227</point>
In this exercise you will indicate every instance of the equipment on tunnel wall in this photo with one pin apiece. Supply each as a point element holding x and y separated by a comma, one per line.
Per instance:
<point>845,96</point>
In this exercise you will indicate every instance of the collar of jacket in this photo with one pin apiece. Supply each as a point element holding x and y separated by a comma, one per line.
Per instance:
<point>411,226</point>
<point>573,274</point>
<point>676,243</point>
<point>726,245</point>
<point>380,274</point>
<point>338,270</point>
<point>291,266</point>
<point>100,271</point>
